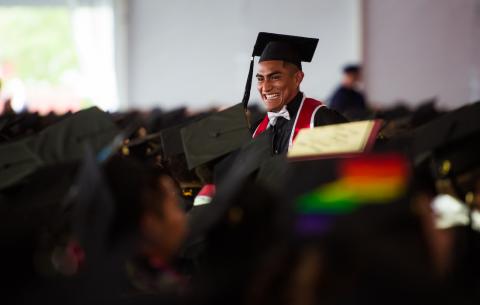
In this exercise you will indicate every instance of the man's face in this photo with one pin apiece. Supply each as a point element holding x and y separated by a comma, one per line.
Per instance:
<point>356,77</point>
<point>278,83</point>
<point>165,225</point>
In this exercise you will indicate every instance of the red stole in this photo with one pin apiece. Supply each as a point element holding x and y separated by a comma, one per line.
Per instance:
<point>305,118</point>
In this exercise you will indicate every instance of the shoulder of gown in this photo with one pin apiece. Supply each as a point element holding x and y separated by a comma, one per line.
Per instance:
<point>327,116</point>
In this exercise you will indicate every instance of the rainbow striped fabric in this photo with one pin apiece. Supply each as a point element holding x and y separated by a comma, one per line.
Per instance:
<point>366,180</point>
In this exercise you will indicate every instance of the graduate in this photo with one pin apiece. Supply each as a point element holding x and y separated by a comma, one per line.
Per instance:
<point>278,82</point>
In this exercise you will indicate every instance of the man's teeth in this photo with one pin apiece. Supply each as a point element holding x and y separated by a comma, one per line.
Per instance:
<point>272,96</point>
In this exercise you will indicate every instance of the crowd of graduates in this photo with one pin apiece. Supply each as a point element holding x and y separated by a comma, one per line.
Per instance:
<point>166,207</point>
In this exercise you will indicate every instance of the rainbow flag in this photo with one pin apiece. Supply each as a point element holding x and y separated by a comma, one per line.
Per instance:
<point>366,180</point>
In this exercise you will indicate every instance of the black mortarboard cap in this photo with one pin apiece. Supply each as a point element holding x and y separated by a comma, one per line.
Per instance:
<point>449,144</point>
<point>215,135</point>
<point>16,162</point>
<point>171,140</point>
<point>447,133</point>
<point>256,151</point>
<point>271,46</point>
<point>66,140</point>
<point>293,49</point>
<point>61,142</point>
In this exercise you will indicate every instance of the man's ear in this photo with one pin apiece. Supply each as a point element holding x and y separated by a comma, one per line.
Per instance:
<point>298,77</point>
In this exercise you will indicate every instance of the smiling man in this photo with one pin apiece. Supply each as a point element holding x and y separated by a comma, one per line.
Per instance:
<point>278,82</point>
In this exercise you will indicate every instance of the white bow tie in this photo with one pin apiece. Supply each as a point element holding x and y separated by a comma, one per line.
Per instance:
<point>273,116</point>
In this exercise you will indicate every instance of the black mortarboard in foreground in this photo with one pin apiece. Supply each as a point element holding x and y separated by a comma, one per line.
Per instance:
<point>215,135</point>
<point>255,151</point>
<point>257,161</point>
<point>270,46</point>
<point>61,142</point>
<point>16,163</point>
<point>171,138</point>
<point>66,140</point>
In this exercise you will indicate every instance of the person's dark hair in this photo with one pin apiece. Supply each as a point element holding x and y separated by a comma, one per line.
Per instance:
<point>351,69</point>
<point>131,184</point>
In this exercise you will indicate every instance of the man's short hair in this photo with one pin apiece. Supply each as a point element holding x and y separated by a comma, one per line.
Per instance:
<point>353,68</point>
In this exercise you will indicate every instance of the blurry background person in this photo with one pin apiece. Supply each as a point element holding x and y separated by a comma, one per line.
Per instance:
<point>147,203</point>
<point>347,98</point>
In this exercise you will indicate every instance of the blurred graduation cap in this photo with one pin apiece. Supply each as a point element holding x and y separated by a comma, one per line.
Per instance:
<point>255,151</point>
<point>62,142</point>
<point>257,161</point>
<point>425,112</point>
<point>66,140</point>
<point>17,161</point>
<point>449,144</point>
<point>171,138</point>
<point>271,46</point>
<point>214,136</point>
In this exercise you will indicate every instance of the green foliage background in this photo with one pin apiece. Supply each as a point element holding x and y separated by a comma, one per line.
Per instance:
<point>38,41</point>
